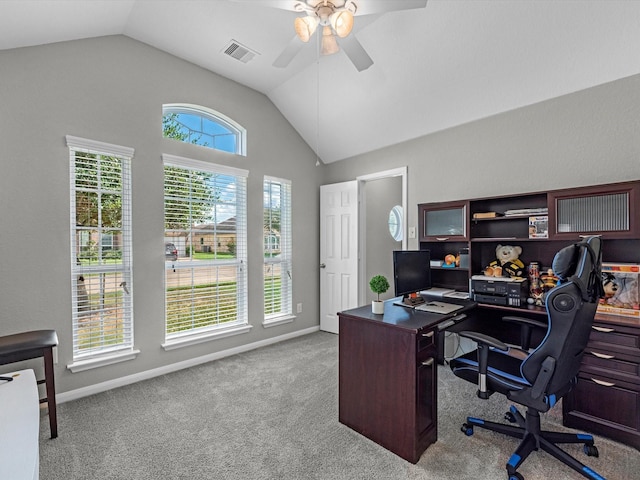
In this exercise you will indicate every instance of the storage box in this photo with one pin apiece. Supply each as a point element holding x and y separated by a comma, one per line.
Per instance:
<point>622,290</point>
<point>539,227</point>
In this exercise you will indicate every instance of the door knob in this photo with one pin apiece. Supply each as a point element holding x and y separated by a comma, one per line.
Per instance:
<point>322,265</point>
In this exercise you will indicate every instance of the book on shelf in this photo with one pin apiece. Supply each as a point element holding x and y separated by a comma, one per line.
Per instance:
<point>487,215</point>
<point>527,211</point>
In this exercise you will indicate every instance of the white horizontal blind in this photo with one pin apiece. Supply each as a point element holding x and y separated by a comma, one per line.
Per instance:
<point>277,248</point>
<point>205,214</point>
<point>101,264</point>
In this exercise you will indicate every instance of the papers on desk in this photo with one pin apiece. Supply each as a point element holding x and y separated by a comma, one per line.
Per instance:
<point>438,307</point>
<point>461,295</point>
<point>445,292</point>
<point>437,292</point>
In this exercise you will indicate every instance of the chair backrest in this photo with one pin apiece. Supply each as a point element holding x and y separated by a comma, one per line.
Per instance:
<point>571,307</point>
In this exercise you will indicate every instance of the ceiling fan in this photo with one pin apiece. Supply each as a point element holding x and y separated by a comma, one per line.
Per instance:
<point>333,20</point>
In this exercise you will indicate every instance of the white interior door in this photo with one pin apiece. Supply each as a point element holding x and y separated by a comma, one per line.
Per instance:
<point>338,251</point>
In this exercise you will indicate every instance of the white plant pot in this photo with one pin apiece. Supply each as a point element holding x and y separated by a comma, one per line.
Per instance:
<point>377,306</point>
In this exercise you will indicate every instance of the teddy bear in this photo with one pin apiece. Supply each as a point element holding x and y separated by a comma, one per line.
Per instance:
<point>507,262</point>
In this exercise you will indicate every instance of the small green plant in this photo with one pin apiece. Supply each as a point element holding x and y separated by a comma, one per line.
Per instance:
<point>379,284</point>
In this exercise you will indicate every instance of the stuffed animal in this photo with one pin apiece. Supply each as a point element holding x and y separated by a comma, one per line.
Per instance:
<point>507,259</point>
<point>549,280</point>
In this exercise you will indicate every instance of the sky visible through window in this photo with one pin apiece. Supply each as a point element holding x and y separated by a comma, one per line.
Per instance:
<point>203,131</point>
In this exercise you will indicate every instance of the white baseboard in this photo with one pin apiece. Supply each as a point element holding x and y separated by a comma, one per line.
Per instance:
<point>174,367</point>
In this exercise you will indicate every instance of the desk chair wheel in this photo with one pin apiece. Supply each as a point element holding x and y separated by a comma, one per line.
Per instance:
<point>510,417</point>
<point>591,451</point>
<point>467,429</point>
<point>516,476</point>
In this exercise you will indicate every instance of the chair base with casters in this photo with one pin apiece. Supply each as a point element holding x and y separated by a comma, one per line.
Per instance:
<point>35,344</point>
<point>533,438</point>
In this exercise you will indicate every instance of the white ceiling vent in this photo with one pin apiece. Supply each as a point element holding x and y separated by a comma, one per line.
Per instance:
<point>239,52</point>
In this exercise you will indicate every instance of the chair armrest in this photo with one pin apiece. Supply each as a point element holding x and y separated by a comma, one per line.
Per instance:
<point>484,340</point>
<point>525,321</point>
<point>526,325</point>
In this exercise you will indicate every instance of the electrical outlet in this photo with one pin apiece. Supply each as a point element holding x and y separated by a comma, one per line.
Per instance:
<point>412,232</point>
<point>299,308</point>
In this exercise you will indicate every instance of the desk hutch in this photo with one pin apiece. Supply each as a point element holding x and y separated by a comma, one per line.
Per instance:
<point>606,400</point>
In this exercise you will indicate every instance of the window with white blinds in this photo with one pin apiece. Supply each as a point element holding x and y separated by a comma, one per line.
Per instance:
<point>277,249</point>
<point>101,266</point>
<point>205,219</point>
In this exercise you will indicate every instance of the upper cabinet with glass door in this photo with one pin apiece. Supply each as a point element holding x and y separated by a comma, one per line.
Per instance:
<point>443,222</point>
<point>608,210</point>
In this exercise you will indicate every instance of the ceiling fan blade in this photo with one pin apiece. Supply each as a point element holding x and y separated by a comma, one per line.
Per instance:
<point>356,52</point>
<point>292,5</point>
<point>289,52</point>
<point>381,6</point>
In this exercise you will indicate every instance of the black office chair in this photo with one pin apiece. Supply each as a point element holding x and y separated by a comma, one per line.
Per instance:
<point>542,376</point>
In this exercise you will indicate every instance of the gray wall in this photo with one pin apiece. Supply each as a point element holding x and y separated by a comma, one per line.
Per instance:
<point>584,138</point>
<point>381,196</point>
<point>112,89</point>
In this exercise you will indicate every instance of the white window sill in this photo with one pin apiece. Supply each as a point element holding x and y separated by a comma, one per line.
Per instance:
<point>102,360</point>
<point>194,339</point>
<point>272,322</point>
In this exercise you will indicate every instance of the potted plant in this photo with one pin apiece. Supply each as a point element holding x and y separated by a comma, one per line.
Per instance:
<point>378,284</point>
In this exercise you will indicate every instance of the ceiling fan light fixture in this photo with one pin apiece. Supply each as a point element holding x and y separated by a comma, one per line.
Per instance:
<point>342,22</point>
<point>329,44</point>
<point>305,27</point>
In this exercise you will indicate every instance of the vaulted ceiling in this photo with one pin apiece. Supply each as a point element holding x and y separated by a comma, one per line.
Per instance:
<point>449,63</point>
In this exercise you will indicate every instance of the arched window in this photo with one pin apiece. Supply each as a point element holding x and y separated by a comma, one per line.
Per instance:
<point>203,126</point>
<point>395,223</point>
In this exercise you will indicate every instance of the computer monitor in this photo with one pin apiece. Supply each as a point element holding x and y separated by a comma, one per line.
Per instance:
<point>411,274</point>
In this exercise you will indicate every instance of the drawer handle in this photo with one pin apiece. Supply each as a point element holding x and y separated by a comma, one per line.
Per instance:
<point>604,384</point>
<point>428,334</point>
<point>602,329</point>
<point>442,239</point>
<point>428,362</point>
<point>602,355</point>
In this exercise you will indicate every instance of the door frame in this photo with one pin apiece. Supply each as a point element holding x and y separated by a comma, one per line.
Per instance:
<point>362,240</point>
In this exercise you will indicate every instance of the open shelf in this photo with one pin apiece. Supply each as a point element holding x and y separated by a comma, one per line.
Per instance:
<point>502,218</point>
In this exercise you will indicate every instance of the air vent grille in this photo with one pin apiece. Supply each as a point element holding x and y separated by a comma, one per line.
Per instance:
<point>239,52</point>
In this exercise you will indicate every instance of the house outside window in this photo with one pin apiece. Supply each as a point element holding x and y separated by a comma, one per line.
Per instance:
<point>272,243</point>
<point>206,288</point>
<point>101,261</point>
<point>278,291</point>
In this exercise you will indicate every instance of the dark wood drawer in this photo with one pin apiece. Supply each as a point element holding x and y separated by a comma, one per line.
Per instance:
<point>612,365</point>
<point>425,339</point>
<point>606,407</point>
<point>608,338</point>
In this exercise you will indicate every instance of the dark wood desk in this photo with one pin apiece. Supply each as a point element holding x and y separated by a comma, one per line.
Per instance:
<point>388,376</point>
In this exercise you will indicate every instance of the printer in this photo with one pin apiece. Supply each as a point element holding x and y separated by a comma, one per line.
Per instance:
<point>508,291</point>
